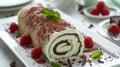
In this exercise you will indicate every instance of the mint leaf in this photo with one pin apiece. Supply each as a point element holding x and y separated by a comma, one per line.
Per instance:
<point>51,14</point>
<point>47,12</point>
<point>96,54</point>
<point>54,64</point>
<point>57,16</point>
<point>18,32</point>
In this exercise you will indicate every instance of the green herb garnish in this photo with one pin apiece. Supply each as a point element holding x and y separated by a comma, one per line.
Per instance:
<point>96,54</point>
<point>51,14</point>
<point>18,32</point>
<point>54,64</point>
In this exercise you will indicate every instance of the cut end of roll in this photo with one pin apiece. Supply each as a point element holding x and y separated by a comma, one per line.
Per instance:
<point>64,44</point>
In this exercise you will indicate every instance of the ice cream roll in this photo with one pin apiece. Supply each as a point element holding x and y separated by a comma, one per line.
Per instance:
<point>58,39</point>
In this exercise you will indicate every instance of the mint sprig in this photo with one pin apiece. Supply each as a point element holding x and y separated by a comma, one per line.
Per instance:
<point>18,32</point>
<point>54,64</point>
<point>96,54</point>
<point>51,14</point>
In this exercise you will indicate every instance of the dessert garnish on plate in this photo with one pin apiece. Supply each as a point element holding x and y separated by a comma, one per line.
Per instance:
<point>100,9</point>
<point>113,28</point>
<point>114,25</point>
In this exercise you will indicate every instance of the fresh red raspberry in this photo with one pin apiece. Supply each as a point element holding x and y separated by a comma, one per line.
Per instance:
<point>36,53</point>
<point>13,27</point>
<point>88,42</point>
<point>94,11</point>
<point>113,29</point>
<point>100,5</point>
<point>105,11</point>
<point>25,40</point>
<point>106,7</point>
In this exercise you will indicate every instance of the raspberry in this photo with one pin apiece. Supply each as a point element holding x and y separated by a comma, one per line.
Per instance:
<point>101,8</point>
<point>13,27</point>
<point>36,53</point>
<point>100,5</point>
<point>105,11</point>
<point>94,11</point>
<point>105,7</point>
<point>114,29</point>
<point>88,42</point>
<point>25,40</point>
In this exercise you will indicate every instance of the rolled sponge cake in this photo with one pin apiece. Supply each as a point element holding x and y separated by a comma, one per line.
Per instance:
<point>58,39</point>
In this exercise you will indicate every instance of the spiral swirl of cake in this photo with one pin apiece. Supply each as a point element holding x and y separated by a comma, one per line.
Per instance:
<point>58,39</point>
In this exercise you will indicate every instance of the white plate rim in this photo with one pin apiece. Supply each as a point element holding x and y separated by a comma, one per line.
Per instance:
<point>15,7</point>
<point>100,27</point>
<point>16,4</point>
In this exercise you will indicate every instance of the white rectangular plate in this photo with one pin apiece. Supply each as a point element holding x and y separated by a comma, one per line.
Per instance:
<point>109,48</point>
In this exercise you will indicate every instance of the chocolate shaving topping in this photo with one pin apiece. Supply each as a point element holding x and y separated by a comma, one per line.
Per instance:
<point>69,63</point>
<point>79,61</point>
<point>12,64</point>
<point>90,26</point>
<point>83,62</point>
<point>100,61</point>
<point>33,63</point>
<point>73,59</point>
<point>82,12</point>
<point>83,57</point>
<point>41,60</point>
<point>90,50</point>
<point>63,63</point>
<point>80,7</point>
<point>86,50</point>
<point>89,62</point>
<point>105,58</point>
<point>109,57</point>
